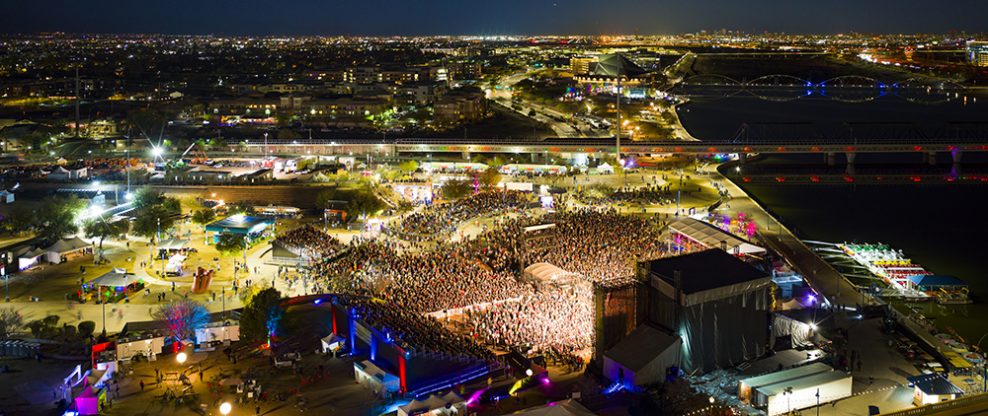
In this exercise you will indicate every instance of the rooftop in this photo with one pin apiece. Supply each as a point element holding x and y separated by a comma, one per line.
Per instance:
<point>705,270</point>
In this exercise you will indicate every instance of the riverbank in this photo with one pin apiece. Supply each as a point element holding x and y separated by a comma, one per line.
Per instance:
<point>935,225</point>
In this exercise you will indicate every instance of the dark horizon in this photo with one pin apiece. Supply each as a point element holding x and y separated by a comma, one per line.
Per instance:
<point>473,17</point>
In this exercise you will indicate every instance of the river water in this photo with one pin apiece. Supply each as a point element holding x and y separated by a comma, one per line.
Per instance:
<point>941,226</point>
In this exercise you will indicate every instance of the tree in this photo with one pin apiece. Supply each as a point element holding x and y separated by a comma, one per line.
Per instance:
<point>86,328</point>
<point>261,314</point>
<point>182,317</point>
<point>230,243</point>
<point>241,207</point>
<point>409,166</point>
<point>359,202</point>
<point>56,217</point>
<point>490,177</point>
<point>456,189</point>
<point>147,219</point>
<point>100,228</point>
<point>203,216</point>
<point>10,322</point>
<point>145,197</point>
<point>496,162</point>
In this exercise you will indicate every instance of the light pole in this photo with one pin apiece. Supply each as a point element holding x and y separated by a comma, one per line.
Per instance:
<point>103,304</point>
<point>818,402</point>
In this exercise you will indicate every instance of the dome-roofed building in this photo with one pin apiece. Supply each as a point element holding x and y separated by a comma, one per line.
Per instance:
<point>609,67</point>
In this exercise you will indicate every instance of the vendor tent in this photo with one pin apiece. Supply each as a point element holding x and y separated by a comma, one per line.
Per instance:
<point>63,247</point>
<point>29,257</point>
<point>568,407</point>
<point>643,356</point>
<point>116,278</point>
<point>173,244</point>
<point>712,237</point>
<point>933,282</point>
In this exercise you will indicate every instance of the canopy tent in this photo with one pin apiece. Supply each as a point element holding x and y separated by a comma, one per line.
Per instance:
<point>116,278</point>
<point>28,257</point>
<point>713,237</point>
<point>240,224</point>
<point>568,407</point>
<point>172,244</point>
<point>643,356</point>
<point>65,247</point>
<point>433,403</point>
<point>931,282</point>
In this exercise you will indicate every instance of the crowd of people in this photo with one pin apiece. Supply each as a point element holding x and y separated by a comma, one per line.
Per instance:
<point>480,275</point>
<point>553,320</point>
<point>436,219</point>
<point>307,241</point>
<point>416,333</point>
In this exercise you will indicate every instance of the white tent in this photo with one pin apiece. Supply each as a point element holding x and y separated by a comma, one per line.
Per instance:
<point>172,244</point>
<point>29,258</point>
<point>568,407</point>
<point>115,278</point>
<point>713,237</point>
<point>435,404</point>
<point>64,247</point>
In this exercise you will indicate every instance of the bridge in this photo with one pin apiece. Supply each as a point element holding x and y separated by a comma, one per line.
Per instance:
<point>849,88</point>
<point>597,147</point>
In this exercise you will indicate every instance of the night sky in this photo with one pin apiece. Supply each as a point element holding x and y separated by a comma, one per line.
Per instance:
<point>423,17</point>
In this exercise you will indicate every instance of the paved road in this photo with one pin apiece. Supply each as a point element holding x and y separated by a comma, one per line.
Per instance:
<point>824,278</point>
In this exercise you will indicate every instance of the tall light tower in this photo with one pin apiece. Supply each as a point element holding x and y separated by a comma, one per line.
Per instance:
<point>617,142</point>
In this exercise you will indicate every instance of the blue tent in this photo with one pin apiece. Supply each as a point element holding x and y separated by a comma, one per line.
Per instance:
<point>936,281</point>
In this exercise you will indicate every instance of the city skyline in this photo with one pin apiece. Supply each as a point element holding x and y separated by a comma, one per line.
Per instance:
<point>444,17</point>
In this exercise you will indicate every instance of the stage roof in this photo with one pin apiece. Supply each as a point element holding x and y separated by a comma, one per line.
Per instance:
<point>706,270</point>
<point>713,237</point>
<point>641,346</point>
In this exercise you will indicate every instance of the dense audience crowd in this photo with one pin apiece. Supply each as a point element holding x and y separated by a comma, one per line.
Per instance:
<point>439,218</point>
<point>415,332</point>
<point>480,275</point>
<point>310,242</point>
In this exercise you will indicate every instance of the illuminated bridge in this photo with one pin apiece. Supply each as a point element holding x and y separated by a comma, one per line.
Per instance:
<point>597,147</point>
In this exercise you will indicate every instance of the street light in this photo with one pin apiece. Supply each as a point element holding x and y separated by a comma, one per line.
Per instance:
<point>181,357</point>
<point>225,408</point>
<point>157,151</point>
